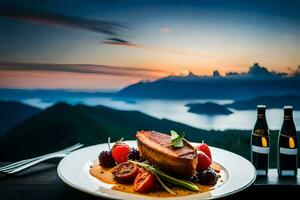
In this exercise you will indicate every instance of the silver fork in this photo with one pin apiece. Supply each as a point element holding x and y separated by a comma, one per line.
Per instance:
<point>24,164</point>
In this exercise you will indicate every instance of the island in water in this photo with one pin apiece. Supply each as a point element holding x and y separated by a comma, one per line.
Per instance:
<point>208,108</point>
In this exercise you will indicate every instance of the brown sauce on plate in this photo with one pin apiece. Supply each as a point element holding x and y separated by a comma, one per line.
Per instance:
<point>105,175</point>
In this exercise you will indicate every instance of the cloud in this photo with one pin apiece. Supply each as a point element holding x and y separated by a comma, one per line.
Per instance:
<point>297,71</point>
<point>58,20</point>
<point>81,68</point>
<point>99,26</point>
<point>165,29</point>
<point>125,43</point>
<point>257,70</point>
<point>293,71</point>
<point>121,42</point>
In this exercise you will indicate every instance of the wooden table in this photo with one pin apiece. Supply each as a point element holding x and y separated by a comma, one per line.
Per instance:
<point>42,183</point>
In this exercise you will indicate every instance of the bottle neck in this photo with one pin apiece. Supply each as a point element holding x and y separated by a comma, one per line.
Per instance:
<point>288,114</point>
<point>261,116</point>
<point>261,113</point>
<point>288,117</point>
<point>288,127</point>
<point>261,125</point>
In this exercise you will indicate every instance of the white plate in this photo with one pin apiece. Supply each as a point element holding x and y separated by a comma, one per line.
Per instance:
<point>74,171</point>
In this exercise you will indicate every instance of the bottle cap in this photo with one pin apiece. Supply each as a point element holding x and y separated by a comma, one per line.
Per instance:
<point>288,107</point>
<point>261,107</point>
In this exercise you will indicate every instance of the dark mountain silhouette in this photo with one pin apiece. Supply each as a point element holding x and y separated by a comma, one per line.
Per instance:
<point>62,125</point>
<point>189,77</point>
<point>269,101</point>
<point>258,81</point>
<point>12,113</point>
<point>216,73</point>
<point>208,108</point>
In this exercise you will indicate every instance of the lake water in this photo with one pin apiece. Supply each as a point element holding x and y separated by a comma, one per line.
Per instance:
<point>177,111</point>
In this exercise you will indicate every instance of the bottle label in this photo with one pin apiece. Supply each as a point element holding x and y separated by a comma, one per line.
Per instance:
<point>288,173</point>
<point>288,151</point>
<point>291,142</point>
<point>260,172</point>
<point>262,150</point>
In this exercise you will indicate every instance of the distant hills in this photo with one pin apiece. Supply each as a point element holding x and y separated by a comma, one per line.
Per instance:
<point>62,125</point>
<point>272,102</point>
<point>13,113</point>
<point>269,101</point>
<point>258,81</point>
<point>208,109</point>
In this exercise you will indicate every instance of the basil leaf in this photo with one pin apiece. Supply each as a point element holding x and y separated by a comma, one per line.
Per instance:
<point>174,135</point>
<point>176,139</point>
<point>178,143</point>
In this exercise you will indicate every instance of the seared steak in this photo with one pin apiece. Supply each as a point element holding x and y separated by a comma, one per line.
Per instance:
<point>157,149</point>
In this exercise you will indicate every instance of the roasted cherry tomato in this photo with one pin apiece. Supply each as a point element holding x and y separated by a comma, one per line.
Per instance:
<point>120,152</point>
<point>144,182</point>
<point>205,149</point>
<point>125,172</point>
<point>203,161</point>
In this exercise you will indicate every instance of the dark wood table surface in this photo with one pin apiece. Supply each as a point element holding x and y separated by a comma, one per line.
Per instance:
<point>42,183</point>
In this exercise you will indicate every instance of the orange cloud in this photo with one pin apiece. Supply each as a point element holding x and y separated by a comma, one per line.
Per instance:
<point>82,69</point>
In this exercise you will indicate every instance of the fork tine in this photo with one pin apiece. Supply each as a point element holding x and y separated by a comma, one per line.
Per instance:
<point>15,164</point>
<point>22,162</point>
<point>24,166</point>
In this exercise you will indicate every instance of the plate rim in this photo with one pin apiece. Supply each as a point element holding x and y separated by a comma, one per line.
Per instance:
<point>82,189</point>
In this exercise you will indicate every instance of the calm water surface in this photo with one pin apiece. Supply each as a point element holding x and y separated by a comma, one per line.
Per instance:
<point>177,111</point>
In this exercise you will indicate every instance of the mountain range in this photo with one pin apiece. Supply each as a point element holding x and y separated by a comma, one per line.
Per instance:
<point>13,113</point>
<point>62,125</point>
<point>269,101</point>
<point>258,81</point>
<point>272,102</point>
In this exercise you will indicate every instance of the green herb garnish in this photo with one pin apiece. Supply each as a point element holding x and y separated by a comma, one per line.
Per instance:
<point>176,139</point>
<point>164,185</point>
<point>175,181</point>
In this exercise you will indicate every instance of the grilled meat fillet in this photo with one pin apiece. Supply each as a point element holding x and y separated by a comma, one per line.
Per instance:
<point>157,149</point>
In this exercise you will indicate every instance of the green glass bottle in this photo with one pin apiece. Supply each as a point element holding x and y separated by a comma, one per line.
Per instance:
<point>287,151</point>
<point>260,145</point>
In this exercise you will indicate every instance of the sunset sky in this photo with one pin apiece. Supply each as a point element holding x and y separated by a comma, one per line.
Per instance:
<point>110,44</point>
